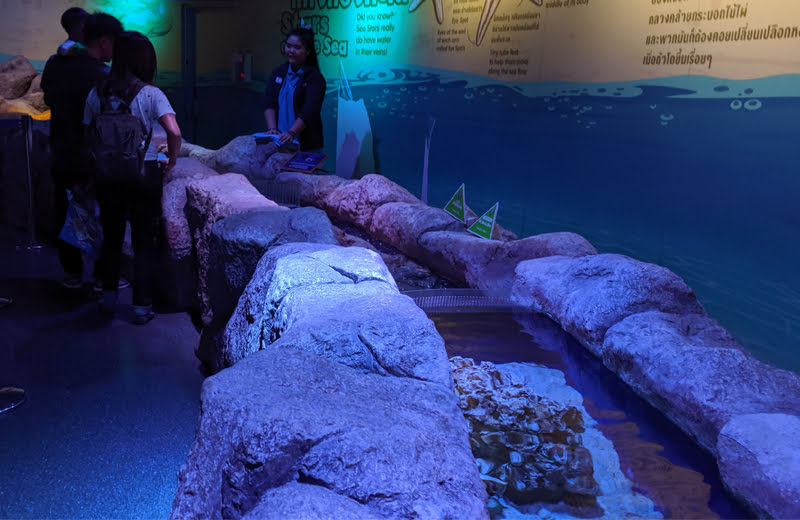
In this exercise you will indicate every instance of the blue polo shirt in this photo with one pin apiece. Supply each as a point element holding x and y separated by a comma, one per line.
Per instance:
<point>286,115</point>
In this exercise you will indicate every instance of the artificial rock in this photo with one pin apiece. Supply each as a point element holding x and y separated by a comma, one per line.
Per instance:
<point>489,264</point>
<point>312,190</point>
<point>16,75</point>
<point>308,502</point>
<point>692,370</point>
<point>209,200</point>
<point>356,202</point>
<point>340,303</point>
<point>177,275</point>
<point>395,445</point>
<point>759,462</point>
<point>589,294</point>
<point>236,245</point>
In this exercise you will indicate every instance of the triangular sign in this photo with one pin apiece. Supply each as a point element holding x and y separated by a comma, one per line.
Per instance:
<point>484,226</point>
<point>455,206</point>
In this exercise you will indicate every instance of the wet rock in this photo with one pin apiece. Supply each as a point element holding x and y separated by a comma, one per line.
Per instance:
<point>456,255</point>
<point>396,445</point>
<point>403,224</point>
<point>383,333</point>
<point>248,329</point>
<point>242,155</point>
<point>340,303</point>
<point>589,294</point>
<point>177,276</point>
<point>529,444</point>
<point>408,274</point>
<point>16,75</point>
<point>312,190</point>
<point>188,168</point>
<point>356,202</point>
<point>209,200</point>
<point>236,244</point>
<point>490,264</point>
<point>308,502</point>
<point>759,462</point>
<point>273,165</point>
<point>692,370</point>
<point>194,151</point>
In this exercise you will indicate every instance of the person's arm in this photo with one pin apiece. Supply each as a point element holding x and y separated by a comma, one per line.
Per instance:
<point>271,102</point>
<point>271,117</point>
<point>170,126</point>
<point>298,126</point>
<point>312,106</point>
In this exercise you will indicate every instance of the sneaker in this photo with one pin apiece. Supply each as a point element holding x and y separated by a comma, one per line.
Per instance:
<point>142,314</point>
<point>71,282</point>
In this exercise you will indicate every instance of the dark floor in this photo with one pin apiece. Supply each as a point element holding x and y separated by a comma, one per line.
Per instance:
<point>111,409</point>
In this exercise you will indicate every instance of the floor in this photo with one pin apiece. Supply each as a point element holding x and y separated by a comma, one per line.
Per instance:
<point>111,408</point>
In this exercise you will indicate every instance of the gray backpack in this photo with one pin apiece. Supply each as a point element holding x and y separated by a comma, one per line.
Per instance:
<point>118,140</point>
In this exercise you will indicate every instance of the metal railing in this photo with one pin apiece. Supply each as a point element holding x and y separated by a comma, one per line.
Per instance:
<point>461,300</point>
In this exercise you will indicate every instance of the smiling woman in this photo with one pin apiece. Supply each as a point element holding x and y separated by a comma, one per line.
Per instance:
<point>294,95</point>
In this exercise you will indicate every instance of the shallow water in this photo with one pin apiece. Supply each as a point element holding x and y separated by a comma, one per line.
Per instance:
<point>664,464</point>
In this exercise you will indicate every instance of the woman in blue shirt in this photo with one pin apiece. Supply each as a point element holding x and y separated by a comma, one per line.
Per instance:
<point>295,92</point>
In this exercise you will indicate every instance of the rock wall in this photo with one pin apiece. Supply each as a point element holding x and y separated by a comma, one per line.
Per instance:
<point>339,388</point>
<point>20,88</point>
<point>647,327</point>
<point>641,319</point>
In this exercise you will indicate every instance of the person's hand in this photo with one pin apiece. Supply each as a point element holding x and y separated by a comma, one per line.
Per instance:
<point>167,168</point>
<point>285,137</point>
<point>166,165</point>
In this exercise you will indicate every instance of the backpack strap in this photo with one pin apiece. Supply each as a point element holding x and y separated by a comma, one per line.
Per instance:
<point>131,91</point>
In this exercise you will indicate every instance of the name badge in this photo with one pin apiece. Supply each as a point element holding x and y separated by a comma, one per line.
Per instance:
<point>278,79</point>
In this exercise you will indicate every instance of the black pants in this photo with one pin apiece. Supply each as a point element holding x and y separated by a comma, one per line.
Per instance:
<point>142,206</point>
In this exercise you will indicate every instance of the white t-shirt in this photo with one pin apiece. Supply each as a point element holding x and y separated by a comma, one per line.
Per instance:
<point>148,105</point>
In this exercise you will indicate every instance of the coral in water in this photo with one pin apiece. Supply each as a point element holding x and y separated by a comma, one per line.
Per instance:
<point>528,447</point>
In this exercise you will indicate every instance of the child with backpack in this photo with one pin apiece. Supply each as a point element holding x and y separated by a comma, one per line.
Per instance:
<point>120,117</point>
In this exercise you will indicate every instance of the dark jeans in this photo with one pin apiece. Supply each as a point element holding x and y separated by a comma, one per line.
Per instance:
<point>142,206</point>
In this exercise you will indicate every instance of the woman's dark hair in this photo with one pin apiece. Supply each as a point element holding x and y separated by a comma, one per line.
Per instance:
<point>307,39</point>
<point>133,57</point>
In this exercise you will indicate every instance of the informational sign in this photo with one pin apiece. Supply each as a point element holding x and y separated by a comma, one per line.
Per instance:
<point>558,40</point>
<point>484,226</point>
<point>455,206</point>
<point>305,162</point>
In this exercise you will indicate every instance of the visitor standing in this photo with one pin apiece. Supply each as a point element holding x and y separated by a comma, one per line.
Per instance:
<point>66,81</point>
<point>129,87</point>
